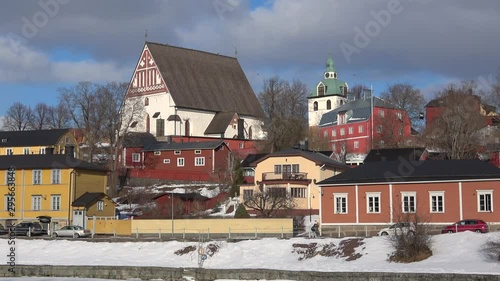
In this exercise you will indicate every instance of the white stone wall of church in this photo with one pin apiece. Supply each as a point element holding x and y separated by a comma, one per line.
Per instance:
<point>198,120</point>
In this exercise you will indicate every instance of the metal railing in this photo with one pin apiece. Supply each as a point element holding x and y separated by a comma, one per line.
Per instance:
<point>284,176</point>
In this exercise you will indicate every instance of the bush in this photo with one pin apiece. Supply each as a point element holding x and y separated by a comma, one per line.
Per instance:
<point>491,251</point>
<point>412,246</point>
<point>241,212</point>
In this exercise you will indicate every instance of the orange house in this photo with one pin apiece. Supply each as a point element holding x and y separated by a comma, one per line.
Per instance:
<point>440,192</point>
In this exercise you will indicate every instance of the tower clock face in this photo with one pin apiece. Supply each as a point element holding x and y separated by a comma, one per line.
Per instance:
<point>327,75</point>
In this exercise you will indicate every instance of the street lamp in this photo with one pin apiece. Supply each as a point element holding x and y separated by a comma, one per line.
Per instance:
<point>172,211</point>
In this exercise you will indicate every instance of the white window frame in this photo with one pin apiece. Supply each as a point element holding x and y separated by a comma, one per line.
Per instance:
<point>55,176</point>
<point>351,130</point>
<point>26,151</point>
<point>37,177</point>
<point>325,134</point>
<point>338,209</point>
<point>373,209</point>
<point>177,152</point>
<point>43,150</point>
<point>157,152</point>
<point>197,151</point>
<point>247,193</point>
<point>342,131</point>
<point>399,115</point>
<point>9,151</point>
<point>356,144</point>
<point>136,157</point>
<point>334,133</point>
<point>379,129</point>
<point>100,205</point>
<point>484,193</point>
<point>298,192</point>
<point>360,129</point>
<point>166,161</point>
<point>411,209</point>
<point>381,113</point>
<point>36,203</point>
<point>180,162</point>
<point>55,202</point>
<point>242,145</point>
<point>199,161</point>
<point>435,209</point>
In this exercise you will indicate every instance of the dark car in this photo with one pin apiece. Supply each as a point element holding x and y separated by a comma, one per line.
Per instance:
<point>29,229</point>
<point>478,226</point>
<point>3,230</point>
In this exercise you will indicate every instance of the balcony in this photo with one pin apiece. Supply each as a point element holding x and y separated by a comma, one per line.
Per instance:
<point>284,177</point>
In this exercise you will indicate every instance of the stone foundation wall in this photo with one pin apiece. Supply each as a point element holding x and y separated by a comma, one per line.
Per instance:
<point>201,274</point>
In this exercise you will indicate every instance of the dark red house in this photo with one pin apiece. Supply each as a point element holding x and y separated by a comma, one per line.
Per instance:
<point>188,161</point>
<point>184,204</point>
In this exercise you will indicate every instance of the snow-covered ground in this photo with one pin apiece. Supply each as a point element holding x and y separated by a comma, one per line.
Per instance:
<point>452,253</point>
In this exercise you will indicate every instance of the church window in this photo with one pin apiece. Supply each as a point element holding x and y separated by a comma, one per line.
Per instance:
<point>315,106</point>
<point>146,101</point>
<point>160,127</point>
<point>328,104</point>
<point>321,90</point>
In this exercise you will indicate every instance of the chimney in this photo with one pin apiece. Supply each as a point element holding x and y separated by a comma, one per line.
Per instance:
<point>351,97</point>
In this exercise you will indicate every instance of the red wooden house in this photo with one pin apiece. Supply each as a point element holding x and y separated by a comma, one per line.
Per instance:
<point>358,126</point>
<point>440,192</point>
<point>184,204</point>
<point>189,161</point>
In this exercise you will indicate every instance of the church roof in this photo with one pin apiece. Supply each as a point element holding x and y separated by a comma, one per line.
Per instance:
<point>332,87</point>
<point>206,81</point>
<point>359,110</point>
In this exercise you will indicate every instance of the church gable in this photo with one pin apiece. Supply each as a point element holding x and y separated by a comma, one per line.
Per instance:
<point>147,78</point>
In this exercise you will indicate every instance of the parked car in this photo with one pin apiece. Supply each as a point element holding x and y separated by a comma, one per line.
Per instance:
<point>405,228</point>
<point>29,229</point>
<point>3,230</point>
<point>478,226</point>
<point>75,231</point>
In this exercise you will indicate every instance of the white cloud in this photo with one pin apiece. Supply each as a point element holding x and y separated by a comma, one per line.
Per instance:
<point>21,63</point>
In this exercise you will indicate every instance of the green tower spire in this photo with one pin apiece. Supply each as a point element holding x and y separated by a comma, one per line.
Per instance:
<point>330,66</point>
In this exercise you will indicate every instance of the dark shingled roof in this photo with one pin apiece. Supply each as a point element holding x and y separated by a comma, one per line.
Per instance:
<point>207,81</point>
<point>136,139</point>
<point>87,199</point>
<point>318,158</point>
<point>405,171</point>
<point>219,123</point>
<point>250,160</point>
<point>46,161</point>
<point>360,109</point>
<point>31,138</point>
<point>183,145</point>
<point>393,154</point>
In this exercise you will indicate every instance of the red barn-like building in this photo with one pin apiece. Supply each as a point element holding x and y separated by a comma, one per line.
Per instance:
<point>353,130</point>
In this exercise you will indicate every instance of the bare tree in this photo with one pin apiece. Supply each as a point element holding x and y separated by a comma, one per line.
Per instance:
<point>270,201</point>
<point>454,131</point>
<point>285,106</point>
<point>317,140</point>
<point>40,116</point>
<point>18,117</point>
<point>58,117</point>
<point>405,96</point>
<point>392,129</point>
<point>358,91</point>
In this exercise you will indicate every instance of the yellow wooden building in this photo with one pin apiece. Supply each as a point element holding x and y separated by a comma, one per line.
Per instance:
<point>295,172</point>
<point>45,185</point>
<point>55,141</point>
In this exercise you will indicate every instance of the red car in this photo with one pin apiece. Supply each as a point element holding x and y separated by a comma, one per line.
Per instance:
<point>478,226</point>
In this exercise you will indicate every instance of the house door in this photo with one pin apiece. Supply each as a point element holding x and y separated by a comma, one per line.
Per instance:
<point>79,218</point>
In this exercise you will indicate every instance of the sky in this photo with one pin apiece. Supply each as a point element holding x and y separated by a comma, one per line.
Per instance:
<point>452,253</point>
<point>46,45</point>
